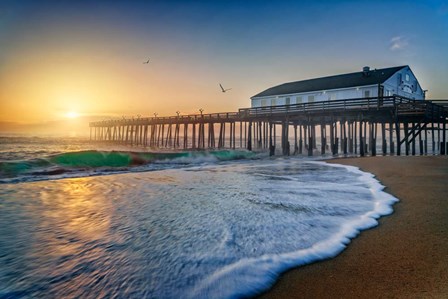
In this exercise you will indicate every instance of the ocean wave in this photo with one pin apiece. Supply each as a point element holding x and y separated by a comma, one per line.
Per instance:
<point>91,162</point>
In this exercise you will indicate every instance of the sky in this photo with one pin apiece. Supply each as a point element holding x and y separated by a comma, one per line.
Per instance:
<point>65,63</point>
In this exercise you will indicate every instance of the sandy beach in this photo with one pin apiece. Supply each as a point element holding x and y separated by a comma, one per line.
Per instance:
<point>405,256</point>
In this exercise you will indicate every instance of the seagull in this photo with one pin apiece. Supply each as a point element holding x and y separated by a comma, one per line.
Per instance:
<point>222,88</point>
<point>146,62</point>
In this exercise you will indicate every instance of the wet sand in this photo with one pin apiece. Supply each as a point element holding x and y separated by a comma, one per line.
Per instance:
<point>406,256</point>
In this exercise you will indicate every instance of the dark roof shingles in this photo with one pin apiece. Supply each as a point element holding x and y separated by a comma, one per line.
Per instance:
<point>376,76</point>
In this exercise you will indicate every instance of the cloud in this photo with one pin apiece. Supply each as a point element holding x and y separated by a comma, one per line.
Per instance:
<point>398,43</point>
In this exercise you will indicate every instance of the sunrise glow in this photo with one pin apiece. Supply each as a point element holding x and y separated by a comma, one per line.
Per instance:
<point>72,114</point>
<point>110,59</point>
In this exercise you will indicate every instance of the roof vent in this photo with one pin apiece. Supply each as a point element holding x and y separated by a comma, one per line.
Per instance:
<point>366,71</point>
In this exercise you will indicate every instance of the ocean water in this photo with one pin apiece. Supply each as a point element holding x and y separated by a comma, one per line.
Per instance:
<point>24,159</point>
<point>91,222</point>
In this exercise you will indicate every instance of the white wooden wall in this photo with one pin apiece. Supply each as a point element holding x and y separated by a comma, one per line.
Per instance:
<point>404,83</point>
<point>316,96</point>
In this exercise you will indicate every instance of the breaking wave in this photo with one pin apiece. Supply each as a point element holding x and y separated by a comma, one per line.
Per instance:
<point>87,163</point>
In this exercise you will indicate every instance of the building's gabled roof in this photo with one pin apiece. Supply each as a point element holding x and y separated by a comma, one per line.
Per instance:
<point>372,77</point>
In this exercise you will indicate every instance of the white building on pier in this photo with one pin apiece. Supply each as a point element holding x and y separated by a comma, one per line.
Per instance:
<point>398,80</point>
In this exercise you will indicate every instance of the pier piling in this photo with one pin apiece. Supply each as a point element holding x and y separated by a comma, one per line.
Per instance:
<point>352,126</point>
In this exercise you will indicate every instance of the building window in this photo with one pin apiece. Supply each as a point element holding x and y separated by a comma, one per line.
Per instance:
<point>407,77</point>
<point>273,102</point>
<point>287,101</point>
<point>332,96</point>
<point>310,99</point>
<point>299,100</point>
<point>367,93</point>
<point>264,103</point>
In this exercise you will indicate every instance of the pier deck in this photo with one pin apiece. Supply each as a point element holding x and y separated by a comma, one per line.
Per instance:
<point>341,126</point>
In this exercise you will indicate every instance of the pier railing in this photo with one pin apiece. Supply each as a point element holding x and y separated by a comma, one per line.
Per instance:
<point>167,119</point>
<point>408,119</point>
<point>400,105</point>
<point>358,104</point>
<point>322,106</point>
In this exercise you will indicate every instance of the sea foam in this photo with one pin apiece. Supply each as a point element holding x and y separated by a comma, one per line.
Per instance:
<point>249,277</point>
<point>222,230</point>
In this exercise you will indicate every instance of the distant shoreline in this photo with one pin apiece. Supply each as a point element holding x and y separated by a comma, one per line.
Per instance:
<point>404,257</point>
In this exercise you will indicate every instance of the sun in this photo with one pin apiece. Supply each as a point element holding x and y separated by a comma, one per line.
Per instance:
<point>72,114</point>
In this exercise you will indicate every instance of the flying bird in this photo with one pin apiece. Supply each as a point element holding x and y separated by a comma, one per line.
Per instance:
<point>146,62</point>
<point>222,88</point>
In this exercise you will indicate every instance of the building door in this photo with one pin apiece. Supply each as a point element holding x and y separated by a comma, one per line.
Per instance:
<point>264,103</point>
<point>380,94</point>
<point>367,93</point>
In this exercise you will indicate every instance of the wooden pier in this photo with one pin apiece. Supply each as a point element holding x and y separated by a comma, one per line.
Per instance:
<point>360,126</point>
